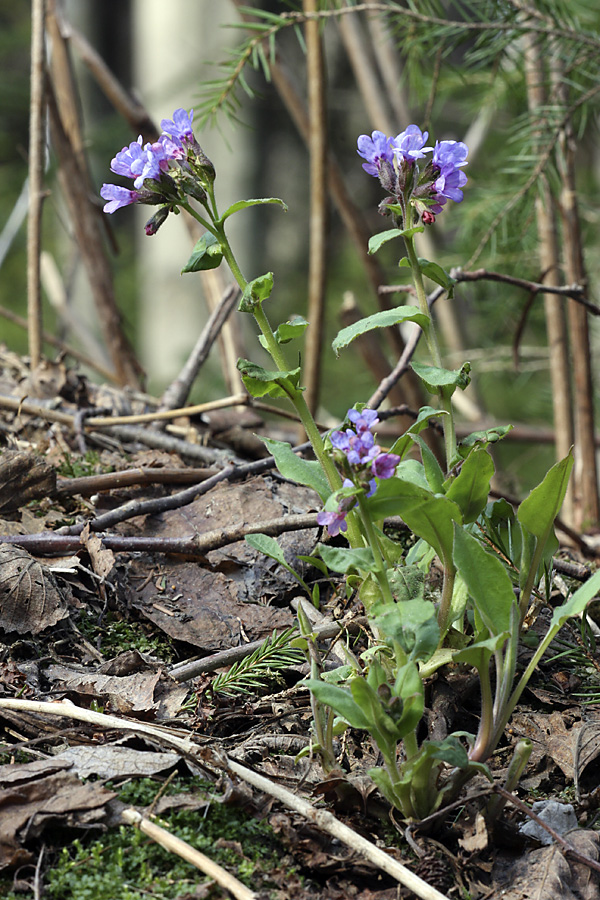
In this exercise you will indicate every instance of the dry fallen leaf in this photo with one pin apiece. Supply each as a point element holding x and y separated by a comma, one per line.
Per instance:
<point>30,598</point>
<point>546,874</point>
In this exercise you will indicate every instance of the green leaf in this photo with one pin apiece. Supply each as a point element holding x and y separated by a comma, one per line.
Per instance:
<point>288,331</point>
<point>577,602</point>
<point>412,623</point>
<point>344,559</point>
<point>539,510</point>
<point>256,292</point>
<point>383,728</point>
<point>435,378</point>
<point>378,240</point>
<point>478,654</point>
<point>244,204</point>
<point>207,254</point>
<point>471,488</point>
<point>407,583</point>
<point>259,381</point>
<point>433,470</point>
<point>489,436</point>
<point>340,700</point>
<point>433,271</point>
<point>303,471</point>
<point>384,319</point>
<point>487,580</point>
<point>404,442</point>
<point>267,545</point>
<point>429,516</point>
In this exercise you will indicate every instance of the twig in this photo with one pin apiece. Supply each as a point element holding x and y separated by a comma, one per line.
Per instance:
<point>108,481</point>
<point>178,391</point>
<point>318,152</point>
<point>568,848</point>
<point>573,291</point>
<point>188,670</point>
<point>195,545</point>
<point>175,845</point>
<point>36,181</point>
<point>319,817</point>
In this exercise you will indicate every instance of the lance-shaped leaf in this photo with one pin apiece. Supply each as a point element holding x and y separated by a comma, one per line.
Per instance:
<point>404,442</point>
<point>432,468</point>
<point>266,544</point>
<point>344,559</point>
<point>303,471</point>
<point>340,700</point>
<point>471,488</point>
<point>487,581</point>
<point>207,254</point>
<point>244,204</point>
<point>378,240</point>
<point>384,319</point>
<point>539,510</point>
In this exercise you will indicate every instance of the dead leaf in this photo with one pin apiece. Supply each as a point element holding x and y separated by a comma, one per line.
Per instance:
<point>115,761</point>
<point>126,694</point>
<point>475,839</point>
<point>30,598</point>
<point>31,802</point>
<point>546,874</point>
<point>103,560</point>
<point>24,477</point>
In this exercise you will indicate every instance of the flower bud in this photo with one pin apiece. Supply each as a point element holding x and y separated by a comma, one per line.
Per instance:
<point>153,224</point>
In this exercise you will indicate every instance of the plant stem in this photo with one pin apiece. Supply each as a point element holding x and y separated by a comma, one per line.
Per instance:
<point>434,350</point>
<point>446,598</point>
<point>380,563</point>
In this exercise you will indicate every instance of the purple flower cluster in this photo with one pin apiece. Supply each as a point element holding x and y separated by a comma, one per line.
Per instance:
<point>394,162</point>
<point>161,169</point>
<point>361,462</point>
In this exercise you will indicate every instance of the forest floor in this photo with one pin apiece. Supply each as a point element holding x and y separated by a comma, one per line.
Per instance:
<point>128,630</point>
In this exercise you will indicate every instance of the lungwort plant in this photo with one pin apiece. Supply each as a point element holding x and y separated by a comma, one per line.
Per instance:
<point>493,558</point>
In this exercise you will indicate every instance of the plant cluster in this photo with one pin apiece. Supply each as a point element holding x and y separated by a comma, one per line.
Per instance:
<point>493,557</point>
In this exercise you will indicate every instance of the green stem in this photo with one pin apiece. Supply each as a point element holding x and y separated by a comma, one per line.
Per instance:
<point>446,598</point>
<point>380,563</point>
<point>434,350</point>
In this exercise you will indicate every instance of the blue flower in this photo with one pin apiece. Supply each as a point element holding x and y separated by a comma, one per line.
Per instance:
<point>384,465</point>
<point>447,153</point>
<point>123,162</point>
<point>364,420</point>
<point>180,126</point>
<point>410,144</point>
<point>335,521</point>
<point>117,197</point>
<point>375,149</point>
<point>449,183</point>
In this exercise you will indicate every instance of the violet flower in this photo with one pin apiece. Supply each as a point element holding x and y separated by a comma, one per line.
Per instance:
<point>117,197</point>
<point>410,144</point>
<point>375,149</point>
<point>180,126</point>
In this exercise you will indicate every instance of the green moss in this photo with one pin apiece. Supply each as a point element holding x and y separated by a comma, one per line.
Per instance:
<point>125,865</point>
<point>117,635</point>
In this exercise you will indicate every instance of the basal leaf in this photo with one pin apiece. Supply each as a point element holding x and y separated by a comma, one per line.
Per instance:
<point>487,580</point>
<point>539,510</point>
<point>471,488</point>
<point>345,559</point>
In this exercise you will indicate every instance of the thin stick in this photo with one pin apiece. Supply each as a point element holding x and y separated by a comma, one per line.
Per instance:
<point>568,848</point>
<point>319,817</point>
<point>175,845</point>
<point>317,263</point>
<point>36,181</point>
<point>178,391</point>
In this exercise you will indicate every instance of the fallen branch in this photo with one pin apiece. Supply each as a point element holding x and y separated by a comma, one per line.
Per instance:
<point>190,854</point>
<point>193,545</point>
<point>322,818</point>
